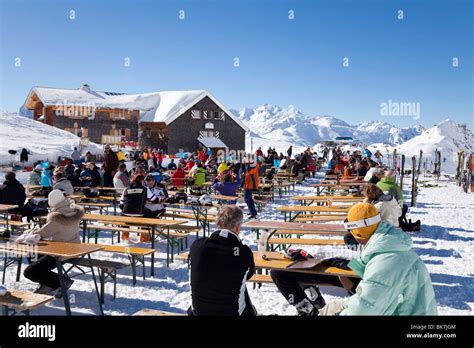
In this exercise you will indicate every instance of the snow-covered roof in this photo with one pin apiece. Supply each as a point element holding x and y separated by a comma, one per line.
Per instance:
<point>211,142</point>
<point>163,106</point>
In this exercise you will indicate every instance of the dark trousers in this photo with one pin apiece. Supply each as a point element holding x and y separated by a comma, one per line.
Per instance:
<point>108,180</point>
<point>41,272</point>
<point>248,194</point>
<point>292,284</point>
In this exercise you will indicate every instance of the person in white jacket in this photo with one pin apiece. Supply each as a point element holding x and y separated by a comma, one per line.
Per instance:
<point>385,203</point>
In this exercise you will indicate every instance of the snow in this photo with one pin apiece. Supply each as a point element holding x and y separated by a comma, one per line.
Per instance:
<point>445,245</point>
<point>44,142</point>
<point>169,104</point>
<point>283,126</point>
<point>447,137</point>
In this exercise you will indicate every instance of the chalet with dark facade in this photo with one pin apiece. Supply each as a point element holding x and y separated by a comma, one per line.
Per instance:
<point>170,120</point>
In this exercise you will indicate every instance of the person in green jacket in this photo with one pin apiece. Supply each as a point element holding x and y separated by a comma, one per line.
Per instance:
<point>395,280</point>
<point>200,176</point>
<point>387,183</point>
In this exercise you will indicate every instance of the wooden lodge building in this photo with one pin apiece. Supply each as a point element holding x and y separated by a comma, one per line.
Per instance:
<point>170,120</point>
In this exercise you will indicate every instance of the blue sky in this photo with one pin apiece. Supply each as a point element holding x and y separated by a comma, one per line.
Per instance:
<point>284,62</point>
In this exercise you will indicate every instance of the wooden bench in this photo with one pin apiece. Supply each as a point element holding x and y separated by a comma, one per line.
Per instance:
<point>107,270</point>
<point>261,278</point>
<point>95,206</point>
<point>313,218</point>
<point>155,312</point>
<point>23,301</point>
<point>135,255</point>
<point>305,241</point>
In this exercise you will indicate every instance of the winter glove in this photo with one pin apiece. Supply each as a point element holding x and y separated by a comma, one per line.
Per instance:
<point>337,262</point>
<point>332,308</point>
<point>28,238</point>
<point>297,254</point>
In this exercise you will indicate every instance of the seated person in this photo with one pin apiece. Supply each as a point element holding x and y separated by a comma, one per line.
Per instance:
<point>177,179</point>
<point>220,266</point>
<point>62,225</point>
<point>228,186</point>
<point>35,176</point>
<point>385,204</point>
<point>172,165</point>
<point>156,195</point>
<point>12,192</point>
<point>395,280</point>
<point>60,182</point>
<point>121,179</point>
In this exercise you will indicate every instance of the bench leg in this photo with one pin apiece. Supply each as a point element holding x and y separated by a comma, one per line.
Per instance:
<point>95,284</point>
<point>102,284</point>
<point>134,269</point>
<point>18,269</point>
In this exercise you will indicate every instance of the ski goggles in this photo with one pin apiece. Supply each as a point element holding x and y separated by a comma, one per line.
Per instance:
<point>362,223</point>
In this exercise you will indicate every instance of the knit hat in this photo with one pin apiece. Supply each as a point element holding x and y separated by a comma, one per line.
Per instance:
<point>362,220</point>
<point>57,202</point>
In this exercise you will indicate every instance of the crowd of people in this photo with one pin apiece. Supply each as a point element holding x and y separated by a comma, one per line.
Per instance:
<point>391,279</point>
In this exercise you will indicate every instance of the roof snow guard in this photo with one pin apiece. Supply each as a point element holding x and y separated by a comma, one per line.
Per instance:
<point>212,142</point>
<point>163,106</point>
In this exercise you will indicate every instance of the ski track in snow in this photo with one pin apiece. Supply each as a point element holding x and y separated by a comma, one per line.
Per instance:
<point>445,245</point>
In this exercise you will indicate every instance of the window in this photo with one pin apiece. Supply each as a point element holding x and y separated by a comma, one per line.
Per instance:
<point>78,113</point>
<point>91,115</point>
<point>207,133</point>
<point>123,132</point>
<point>116,115</point>
<point>59,112</point>
<point>196,114</point>
<point>207,114</point>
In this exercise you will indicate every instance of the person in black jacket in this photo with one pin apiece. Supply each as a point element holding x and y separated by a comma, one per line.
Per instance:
<point>12,192</point>
<point>220,266</point>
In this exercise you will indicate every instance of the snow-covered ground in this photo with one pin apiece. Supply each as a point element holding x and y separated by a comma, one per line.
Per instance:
<point>44,142</point>
<point>445,245</point>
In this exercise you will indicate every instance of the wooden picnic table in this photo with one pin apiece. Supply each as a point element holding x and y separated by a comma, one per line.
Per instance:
<point>60,251</point>
<point>298,209</point>
<point>335,186</point>
<point>277,261</point>
<point>326,200</point>
<point>258,225</point>
<point>23,301</point>
<point>5,208</point>
<point>155,225</point>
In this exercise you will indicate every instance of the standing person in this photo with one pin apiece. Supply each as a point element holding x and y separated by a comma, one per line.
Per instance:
<point>121,179</point>
<point>111,163</point>
<point>62,225</point>
<point>12,192</point>
<point>289,152</point>
<point>76,156</point>
<point>24,156</point>
<point>251,184</point>
<point>220,266</point>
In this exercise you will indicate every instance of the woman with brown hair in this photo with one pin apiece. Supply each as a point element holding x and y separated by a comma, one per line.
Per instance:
<point>386,204</point>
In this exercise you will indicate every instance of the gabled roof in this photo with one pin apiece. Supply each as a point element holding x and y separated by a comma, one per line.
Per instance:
<point>163,106</point>
<point>212,142</point>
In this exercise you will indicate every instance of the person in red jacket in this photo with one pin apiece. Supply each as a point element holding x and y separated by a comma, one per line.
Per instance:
<point>189,165</point>
<point>177,179</point>
<point>251,184</point>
